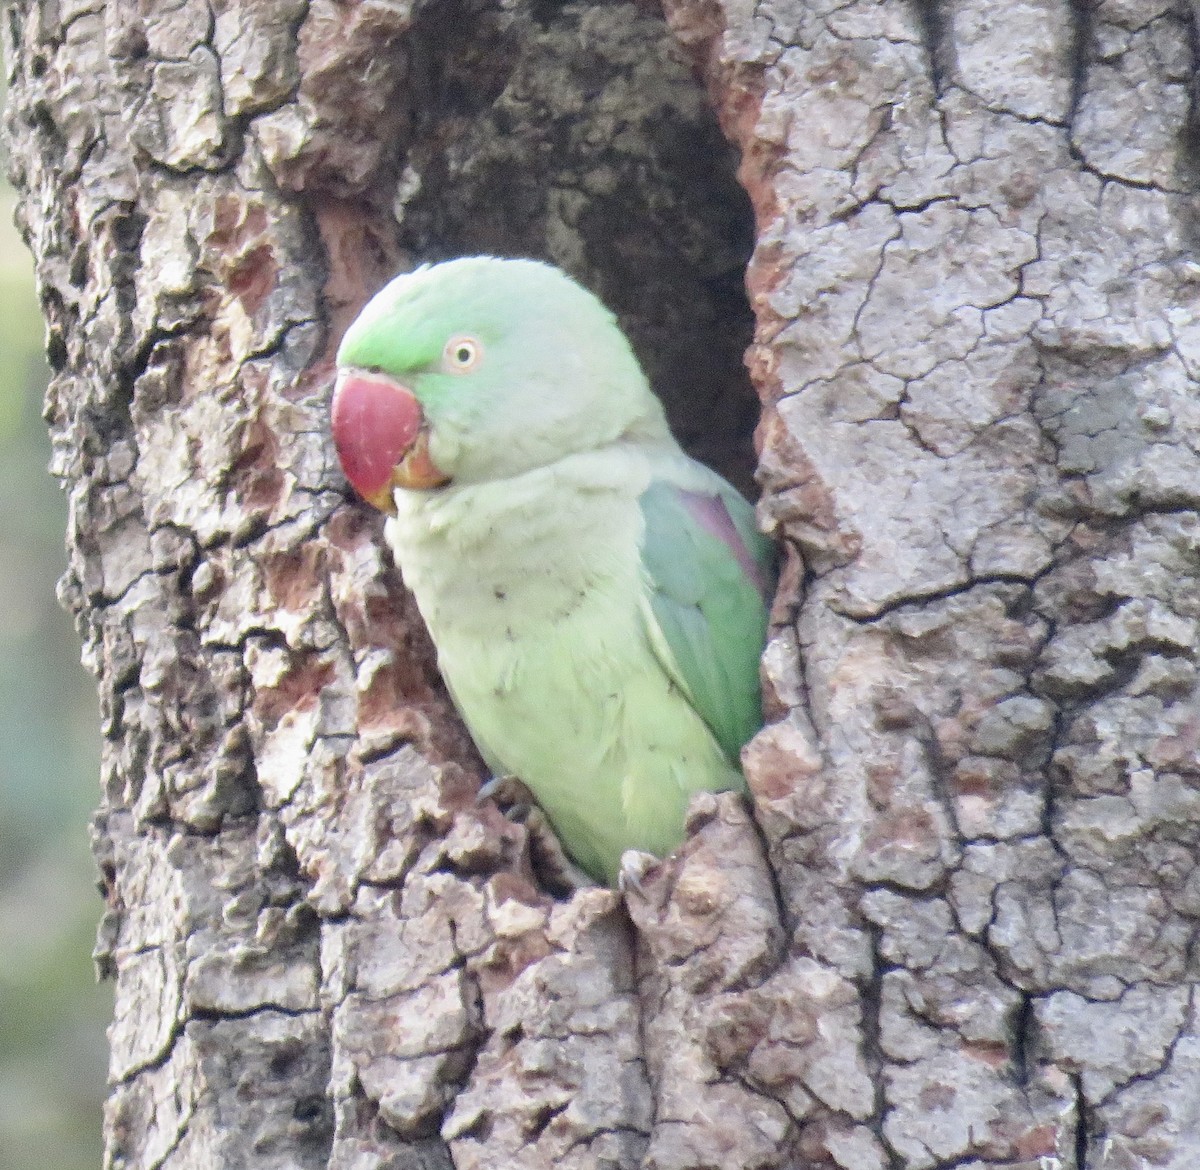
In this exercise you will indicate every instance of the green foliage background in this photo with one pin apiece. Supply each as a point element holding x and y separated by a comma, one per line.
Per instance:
<point>52,1013</point>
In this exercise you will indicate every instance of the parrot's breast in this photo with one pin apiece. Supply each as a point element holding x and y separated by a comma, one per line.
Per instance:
<point>534,595</point>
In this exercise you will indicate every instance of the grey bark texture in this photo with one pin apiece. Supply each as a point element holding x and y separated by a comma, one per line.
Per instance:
<point>957,928</point>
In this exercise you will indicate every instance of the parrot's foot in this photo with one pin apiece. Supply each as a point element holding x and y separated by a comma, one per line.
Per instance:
<point>555,870</point>
<point>512,796</point>
<point>549,861</point>
<point>635,865</point>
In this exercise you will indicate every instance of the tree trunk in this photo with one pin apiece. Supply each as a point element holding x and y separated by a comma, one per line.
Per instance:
<point>957,927</point>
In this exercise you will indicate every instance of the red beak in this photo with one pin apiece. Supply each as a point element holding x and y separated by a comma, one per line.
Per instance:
<point>381,438</point>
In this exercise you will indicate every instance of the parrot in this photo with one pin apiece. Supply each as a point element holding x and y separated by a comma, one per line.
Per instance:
<point>598,599</point>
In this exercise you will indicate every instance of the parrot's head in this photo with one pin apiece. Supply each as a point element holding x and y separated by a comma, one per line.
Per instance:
<point>479,369</point>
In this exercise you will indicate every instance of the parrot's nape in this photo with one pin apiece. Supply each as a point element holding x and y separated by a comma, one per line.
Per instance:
<point>597,598</point>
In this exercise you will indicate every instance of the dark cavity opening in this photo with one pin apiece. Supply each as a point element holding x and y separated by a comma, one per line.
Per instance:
<point>578,134</point>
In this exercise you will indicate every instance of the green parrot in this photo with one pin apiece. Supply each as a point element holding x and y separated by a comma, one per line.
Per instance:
<point>597,598</point>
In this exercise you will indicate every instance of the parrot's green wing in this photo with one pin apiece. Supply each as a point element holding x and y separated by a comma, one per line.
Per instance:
<point>710,574</point>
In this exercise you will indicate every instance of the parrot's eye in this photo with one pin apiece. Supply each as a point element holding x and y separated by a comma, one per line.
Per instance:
<point>462,354</point>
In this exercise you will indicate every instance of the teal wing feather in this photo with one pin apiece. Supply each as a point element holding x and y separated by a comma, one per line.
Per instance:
<point>711,574</point>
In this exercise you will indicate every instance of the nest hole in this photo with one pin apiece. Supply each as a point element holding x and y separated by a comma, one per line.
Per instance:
<point>579,134</point>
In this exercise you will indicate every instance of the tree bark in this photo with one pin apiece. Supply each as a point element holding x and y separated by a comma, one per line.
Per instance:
<point>956,927</point>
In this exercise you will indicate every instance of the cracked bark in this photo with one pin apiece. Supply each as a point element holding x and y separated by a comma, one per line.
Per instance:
<point>958,929</point>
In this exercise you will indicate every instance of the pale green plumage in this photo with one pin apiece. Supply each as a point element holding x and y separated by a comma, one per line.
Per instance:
<point>614,679</point>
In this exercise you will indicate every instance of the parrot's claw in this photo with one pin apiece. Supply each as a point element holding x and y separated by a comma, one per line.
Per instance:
<point>507,791</point>
<point>555,870</point>
<point>635,865</point>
